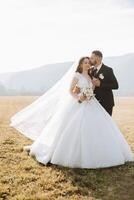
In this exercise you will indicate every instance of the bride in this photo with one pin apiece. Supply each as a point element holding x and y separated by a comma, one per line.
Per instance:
<point>70,129</point>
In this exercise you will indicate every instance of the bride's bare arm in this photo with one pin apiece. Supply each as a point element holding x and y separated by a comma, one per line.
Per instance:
<point>72,86</point>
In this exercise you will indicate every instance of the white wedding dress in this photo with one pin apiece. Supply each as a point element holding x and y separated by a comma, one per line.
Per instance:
<point>81,136</point>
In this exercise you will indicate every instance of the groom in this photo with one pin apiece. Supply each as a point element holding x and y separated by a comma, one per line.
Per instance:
<point>104,81</point>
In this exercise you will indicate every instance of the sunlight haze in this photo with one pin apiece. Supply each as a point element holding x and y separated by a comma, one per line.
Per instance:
<point>38,32</point>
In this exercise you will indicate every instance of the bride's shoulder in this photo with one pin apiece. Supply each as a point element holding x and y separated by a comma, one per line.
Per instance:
<point>77,74</point>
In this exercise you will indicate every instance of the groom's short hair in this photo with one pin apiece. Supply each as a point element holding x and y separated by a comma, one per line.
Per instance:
<point>98,53</point>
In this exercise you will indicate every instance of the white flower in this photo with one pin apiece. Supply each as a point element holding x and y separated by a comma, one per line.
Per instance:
<point>88,92</point>
<point>101,76</point>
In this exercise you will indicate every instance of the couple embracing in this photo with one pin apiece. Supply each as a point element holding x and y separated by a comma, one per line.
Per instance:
<point>103,80</point>
<point>71,125</point>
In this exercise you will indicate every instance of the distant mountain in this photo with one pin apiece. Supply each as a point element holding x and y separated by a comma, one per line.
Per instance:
<point>123,67</point>
<point>34,81</point>
<point>37,81</point>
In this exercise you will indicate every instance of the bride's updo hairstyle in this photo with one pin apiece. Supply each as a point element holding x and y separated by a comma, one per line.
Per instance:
<point>79,67</point>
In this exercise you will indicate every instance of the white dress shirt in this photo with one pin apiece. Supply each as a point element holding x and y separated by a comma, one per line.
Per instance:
<point>98,67</point>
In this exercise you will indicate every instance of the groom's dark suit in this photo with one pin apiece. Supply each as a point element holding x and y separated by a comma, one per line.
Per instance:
<point>108,82</point>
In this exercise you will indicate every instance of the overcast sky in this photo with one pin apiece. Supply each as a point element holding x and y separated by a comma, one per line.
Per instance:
<point>38,32</point>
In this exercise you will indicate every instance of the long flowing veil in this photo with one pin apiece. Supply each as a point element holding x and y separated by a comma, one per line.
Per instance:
<point>32,119</point>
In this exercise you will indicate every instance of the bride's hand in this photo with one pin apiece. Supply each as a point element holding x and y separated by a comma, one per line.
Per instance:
<point>76,90</point>
<point>82,97</point>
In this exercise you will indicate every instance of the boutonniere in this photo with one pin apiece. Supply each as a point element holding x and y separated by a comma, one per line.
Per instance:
<point>101,76</point>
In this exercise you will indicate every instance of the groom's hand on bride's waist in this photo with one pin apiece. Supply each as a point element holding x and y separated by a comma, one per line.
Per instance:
<point>96,82</point>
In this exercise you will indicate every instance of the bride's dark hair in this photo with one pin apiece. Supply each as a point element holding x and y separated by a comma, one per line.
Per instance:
<point>79,68</point>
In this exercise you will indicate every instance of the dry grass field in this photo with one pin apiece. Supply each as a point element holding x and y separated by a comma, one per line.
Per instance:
<point>23,178</point>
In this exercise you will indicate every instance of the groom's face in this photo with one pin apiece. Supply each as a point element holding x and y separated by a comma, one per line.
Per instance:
<point>93,59</point>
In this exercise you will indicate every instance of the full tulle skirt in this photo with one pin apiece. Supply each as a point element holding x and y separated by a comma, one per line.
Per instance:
<point>81,136</point>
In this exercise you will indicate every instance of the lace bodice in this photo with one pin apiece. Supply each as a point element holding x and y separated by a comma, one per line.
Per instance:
<point>82,80</point>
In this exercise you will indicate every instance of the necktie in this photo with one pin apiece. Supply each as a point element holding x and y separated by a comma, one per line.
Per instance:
<point>95,72</point>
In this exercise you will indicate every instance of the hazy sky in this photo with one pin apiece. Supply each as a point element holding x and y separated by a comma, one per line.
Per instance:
<point>37,32</point>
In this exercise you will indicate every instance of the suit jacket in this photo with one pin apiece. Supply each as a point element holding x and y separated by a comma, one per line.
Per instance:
<point>109,82</point>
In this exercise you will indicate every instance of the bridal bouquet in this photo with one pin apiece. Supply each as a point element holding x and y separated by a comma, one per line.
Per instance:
<point>87,91</point>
